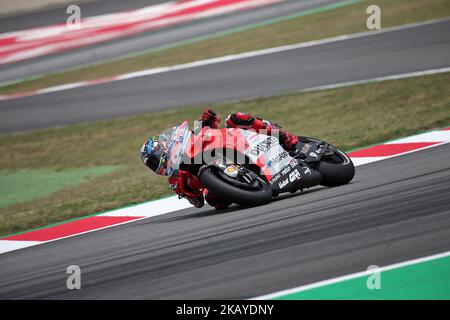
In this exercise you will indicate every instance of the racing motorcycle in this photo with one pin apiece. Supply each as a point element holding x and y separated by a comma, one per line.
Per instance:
<point>249,168</point>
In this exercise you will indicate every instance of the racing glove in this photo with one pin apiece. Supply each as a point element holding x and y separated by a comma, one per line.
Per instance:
<point>210,119</point>
<point>288,140</point>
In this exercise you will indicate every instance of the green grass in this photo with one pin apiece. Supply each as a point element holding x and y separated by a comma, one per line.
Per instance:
<point>26,185</point>
<point>348,117</point>
<point>348,19</point>
<point>426,280</point>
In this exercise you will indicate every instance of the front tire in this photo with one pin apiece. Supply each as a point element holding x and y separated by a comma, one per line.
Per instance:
<point>248,198</point>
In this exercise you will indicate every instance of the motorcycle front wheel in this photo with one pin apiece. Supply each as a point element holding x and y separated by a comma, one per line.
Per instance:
<point>247,197</point>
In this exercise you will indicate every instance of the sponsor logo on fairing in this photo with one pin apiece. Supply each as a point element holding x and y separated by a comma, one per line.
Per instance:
<point>306,148</point>
<point>283,184</point>
<point>295,175</point>
<point>275,179</point>
<point>263,146</point>
<point>278,158</point>
<point>286,170</point>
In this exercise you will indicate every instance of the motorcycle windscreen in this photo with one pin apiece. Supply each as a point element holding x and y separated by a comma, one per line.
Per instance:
<point>178,142</point>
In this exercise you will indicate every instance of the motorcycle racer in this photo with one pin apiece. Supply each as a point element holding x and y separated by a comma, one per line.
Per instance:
<point>243,120</point>
<point>154,154</point>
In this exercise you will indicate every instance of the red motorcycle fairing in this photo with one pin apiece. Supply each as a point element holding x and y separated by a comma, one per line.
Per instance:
<point>251,145</point>
<point>212,139</point>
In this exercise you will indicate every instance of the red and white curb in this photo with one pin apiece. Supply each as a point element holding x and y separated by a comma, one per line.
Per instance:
<point>93,223</point>
<point>172,204</point>
<point>25,44</point>
<point>400,146</point>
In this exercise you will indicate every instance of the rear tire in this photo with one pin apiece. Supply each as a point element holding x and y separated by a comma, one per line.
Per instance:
<point>336,170</point>
<point>334,173</point>
<point>247,198</point>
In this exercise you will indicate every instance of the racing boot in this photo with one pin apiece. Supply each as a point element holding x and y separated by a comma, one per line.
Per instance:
<point>197,201</point>
<point>216,202</point>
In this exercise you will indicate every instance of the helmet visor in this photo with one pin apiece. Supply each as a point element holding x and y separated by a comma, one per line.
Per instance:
<point>155,155</point>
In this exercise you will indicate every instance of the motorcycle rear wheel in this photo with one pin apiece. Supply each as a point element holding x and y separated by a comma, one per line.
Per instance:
<point>245,197</point>
<point>336,170</point>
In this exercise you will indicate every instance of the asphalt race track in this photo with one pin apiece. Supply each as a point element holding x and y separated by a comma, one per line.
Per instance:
<point>395,210</point>
<point>415,49</point>
<point>142,41</point>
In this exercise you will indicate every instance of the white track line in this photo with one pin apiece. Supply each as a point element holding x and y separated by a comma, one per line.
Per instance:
<point>378,79</point>
<point>351,276</point>
<point>240,56</point>
<point>262,52</point>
